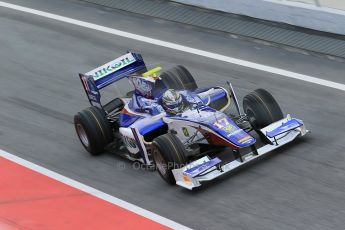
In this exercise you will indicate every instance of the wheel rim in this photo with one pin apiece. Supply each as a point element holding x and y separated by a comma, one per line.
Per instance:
<point>160,163</point>
<point>82,135</point>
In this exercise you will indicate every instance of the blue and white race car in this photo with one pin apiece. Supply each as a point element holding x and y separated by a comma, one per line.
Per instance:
<point>187,132</point>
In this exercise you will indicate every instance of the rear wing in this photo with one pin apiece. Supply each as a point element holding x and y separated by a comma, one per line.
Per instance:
<point>109,73</point>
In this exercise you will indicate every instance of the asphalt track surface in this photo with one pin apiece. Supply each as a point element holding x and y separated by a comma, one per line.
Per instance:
<point>297,187</point>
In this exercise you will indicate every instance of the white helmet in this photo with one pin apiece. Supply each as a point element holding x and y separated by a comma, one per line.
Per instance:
<point>172,101</point>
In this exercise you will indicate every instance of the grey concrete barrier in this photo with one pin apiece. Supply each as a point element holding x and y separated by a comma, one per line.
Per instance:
<point>274,33</point>
<point>297,14</point>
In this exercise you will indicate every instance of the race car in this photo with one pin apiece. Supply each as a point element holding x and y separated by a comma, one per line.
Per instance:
<point>189,134</point>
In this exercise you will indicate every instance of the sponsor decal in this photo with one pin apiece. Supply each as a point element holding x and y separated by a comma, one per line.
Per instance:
<point>198,169</point>
<point>185,131</point>
<point>237,131</point>
<point>228,128</point>
<point>90,88</point>
<point>85,83</point>
<point>186,179</point>
<point>112,66</point>
<point>224,125</point>
<point>289,125</point>
<point>142,86</point>
<point>221,123</point>
<point>245,139</point>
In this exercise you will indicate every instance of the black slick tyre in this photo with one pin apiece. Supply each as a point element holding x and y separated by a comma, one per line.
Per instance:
<point>261,108</point>
<point>168,154</point>
<point>179,78</point>
<point>93,129</point>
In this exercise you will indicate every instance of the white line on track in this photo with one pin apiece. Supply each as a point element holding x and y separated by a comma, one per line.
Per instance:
<point>175,46</point>
<point>92,191</point>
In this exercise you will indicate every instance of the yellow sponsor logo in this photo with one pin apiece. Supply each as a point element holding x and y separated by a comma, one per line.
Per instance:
<point>185,131</point>
<point>228,128</point>
<point>244,139</point>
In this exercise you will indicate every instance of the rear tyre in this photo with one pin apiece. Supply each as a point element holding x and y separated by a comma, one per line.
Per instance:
<point>179,78</point>
<point>93,129</point>
<point>261,108</point>
<point>168,154</point>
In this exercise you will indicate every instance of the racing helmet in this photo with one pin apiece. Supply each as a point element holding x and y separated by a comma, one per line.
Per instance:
<point>172,101</point>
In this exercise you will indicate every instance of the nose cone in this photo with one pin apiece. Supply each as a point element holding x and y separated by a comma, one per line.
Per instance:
<point>220,124</point>
<point>230,131</point>
<point>241,138</point>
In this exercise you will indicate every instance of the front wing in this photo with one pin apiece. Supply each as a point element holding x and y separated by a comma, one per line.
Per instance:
<point>205,169</point>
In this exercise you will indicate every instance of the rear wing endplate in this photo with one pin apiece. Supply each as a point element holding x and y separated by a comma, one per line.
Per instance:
<point>91,90</point>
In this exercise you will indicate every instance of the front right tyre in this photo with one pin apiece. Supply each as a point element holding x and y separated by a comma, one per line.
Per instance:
<point>261,108</point>
<point>179,78</point>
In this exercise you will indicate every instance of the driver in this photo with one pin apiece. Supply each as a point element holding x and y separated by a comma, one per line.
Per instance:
<point>172,102</point>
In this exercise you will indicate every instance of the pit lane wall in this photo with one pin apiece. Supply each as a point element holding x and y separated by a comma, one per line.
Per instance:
<point>322,15</point>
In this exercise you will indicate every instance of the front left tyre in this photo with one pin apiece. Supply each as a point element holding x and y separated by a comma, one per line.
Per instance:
<point>93,129</point>
<point>168,153</point>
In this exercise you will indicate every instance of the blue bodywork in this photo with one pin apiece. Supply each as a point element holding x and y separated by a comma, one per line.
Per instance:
<point>146,104</point>
<point>220,124</point>
<point>285,127</point>
<point>197,113</point>
<point>199,169</point>
<point>126,119</point>
<point>200,121</point>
